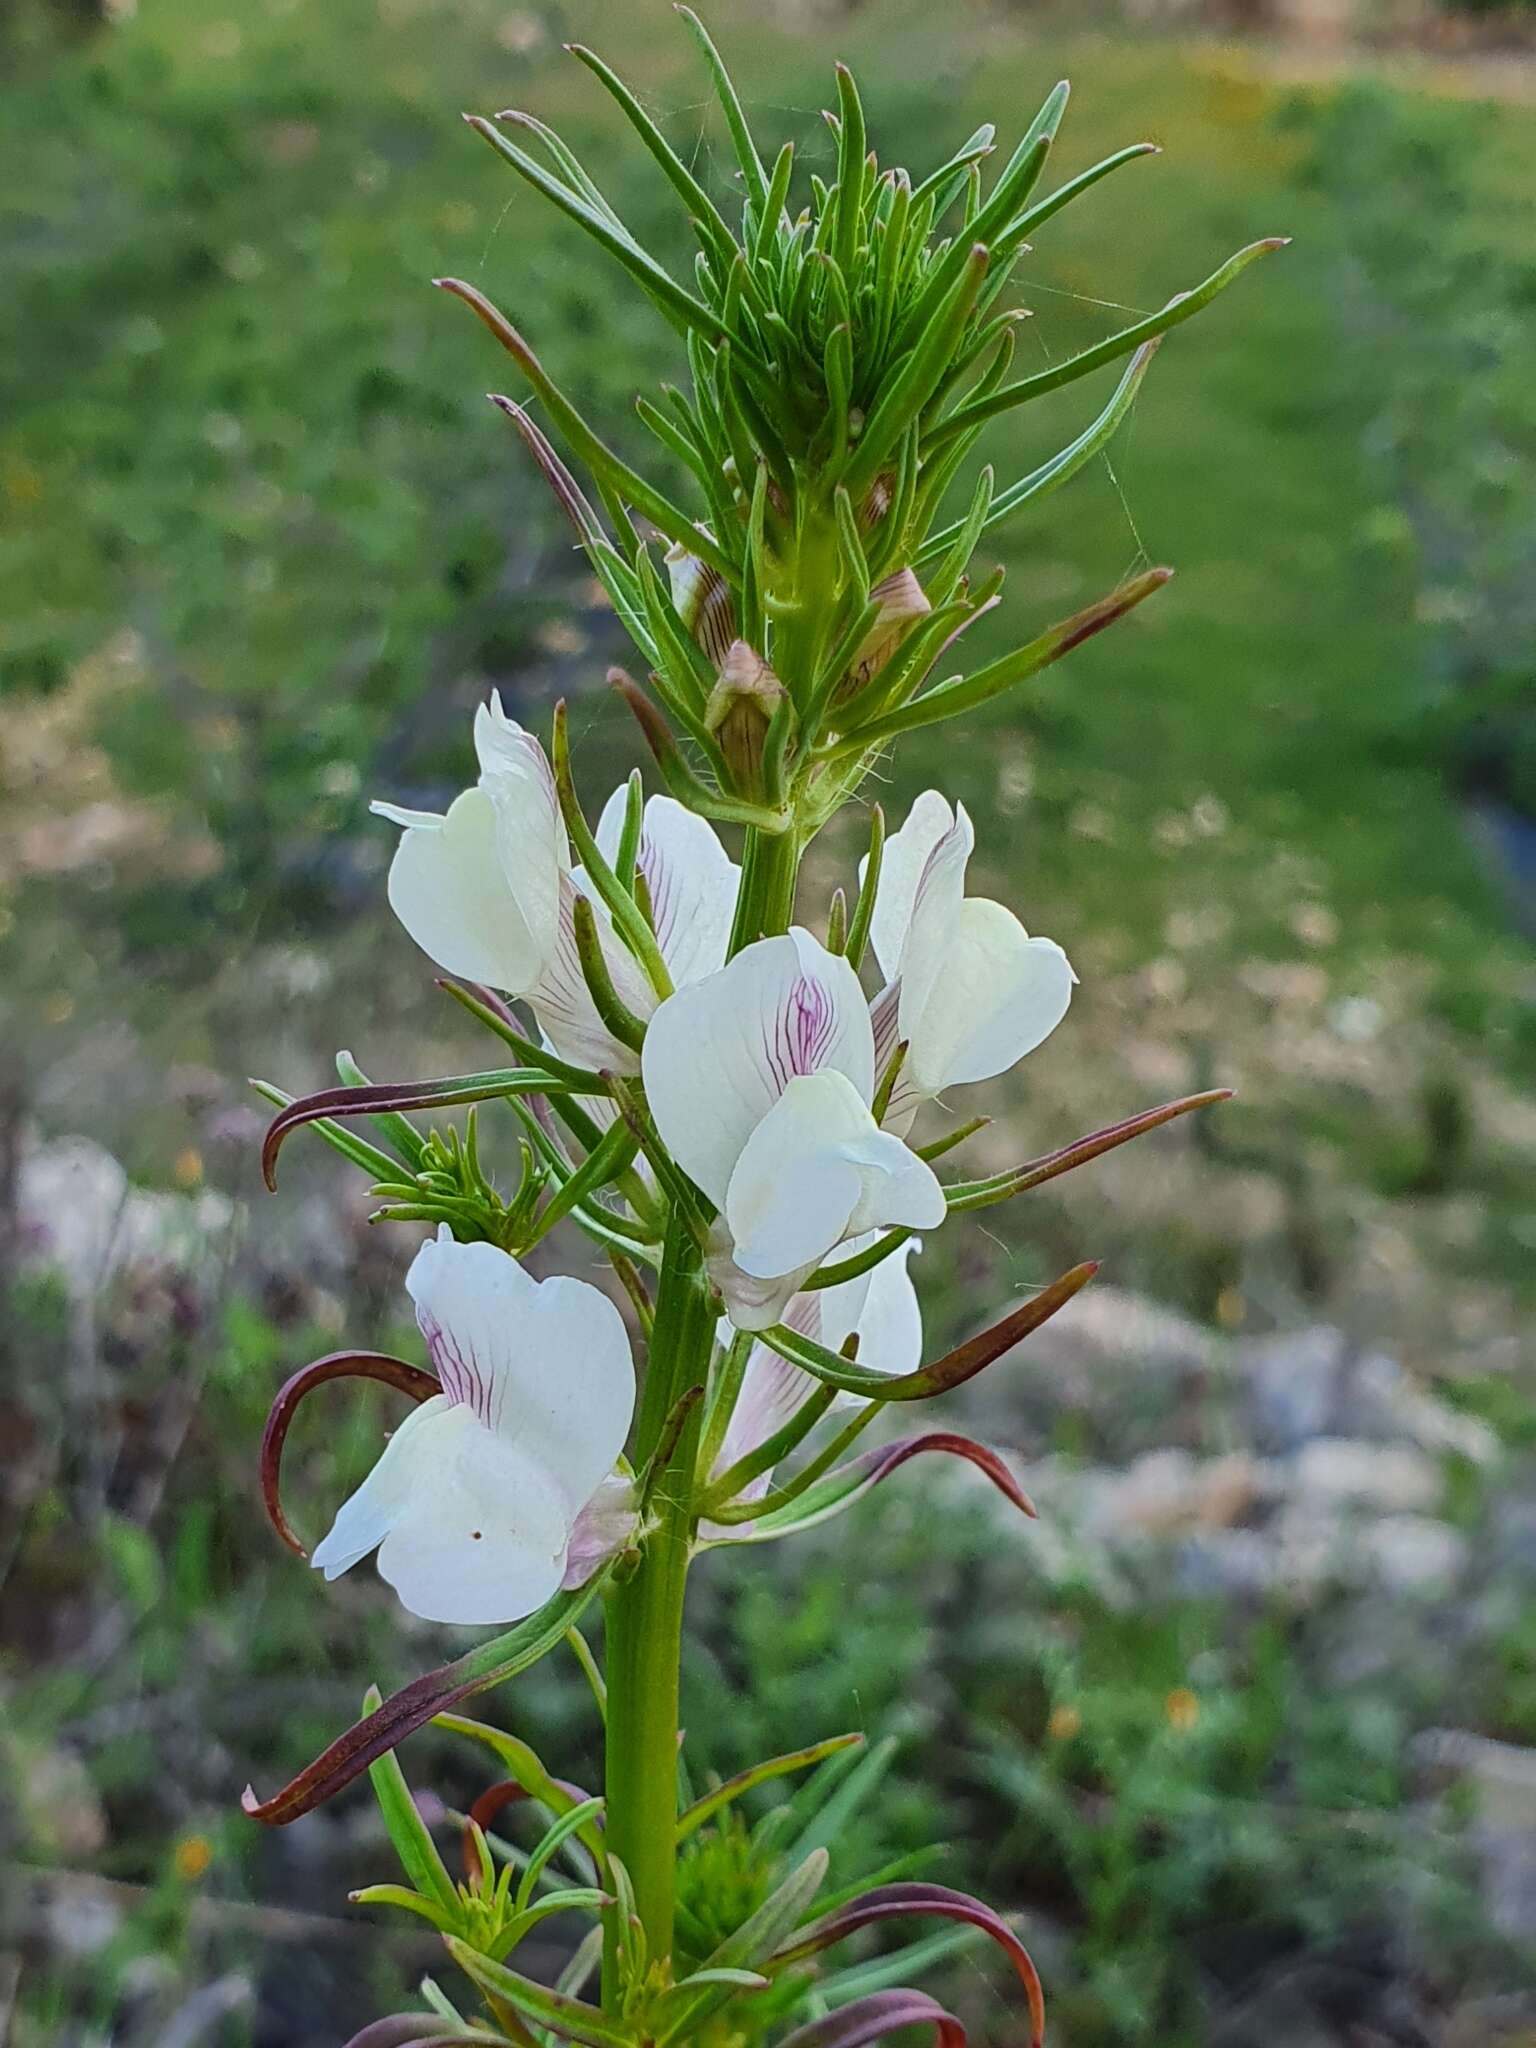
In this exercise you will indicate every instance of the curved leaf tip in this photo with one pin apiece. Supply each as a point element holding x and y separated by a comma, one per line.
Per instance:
<point>363,1365</point>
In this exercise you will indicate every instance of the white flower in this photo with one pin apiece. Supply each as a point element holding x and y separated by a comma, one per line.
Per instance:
<point>690,878</point>
<point>484,1493</point>
<point>967,988</point>
<point>760,1079</point>
<point>479,889</point>
<point>881,1305</point>
<point>489,893</point>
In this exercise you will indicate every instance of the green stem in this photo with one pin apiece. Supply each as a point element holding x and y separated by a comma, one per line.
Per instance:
<point>645,1616</point>
<point>766,904</point>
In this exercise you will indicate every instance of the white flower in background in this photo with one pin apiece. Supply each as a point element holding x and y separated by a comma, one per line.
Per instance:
<point>501,1488</point>
<point>967,988</point>
<point>488,892</point>
<point>760,1079</point>
<point>880,1305</point>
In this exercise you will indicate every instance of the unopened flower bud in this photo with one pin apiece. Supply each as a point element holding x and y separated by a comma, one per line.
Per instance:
<point>902,603</point>
<point>739,711</point>
<point>878,500</point>
<point>701,597</point>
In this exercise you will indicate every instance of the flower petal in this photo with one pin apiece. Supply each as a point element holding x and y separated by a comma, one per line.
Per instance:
<point>530,844</point>
<point>794,1189</point>
<point>544,1364</point>
<point>719,1054</point>
<point>447,888</point>
<point>936,906</point>
<point>901,870</point>
<point>483,1532</point>
<point>502,746</point>
<point>563,1002</point>
<point>366,1518</point>
<point>882,1306</point>
<point>751,1303</point>
<point>691,878</point>
<point>999,994</point>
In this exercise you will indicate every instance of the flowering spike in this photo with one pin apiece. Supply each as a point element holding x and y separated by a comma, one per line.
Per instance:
<point>700,1084</point>
<point>363,1365</point>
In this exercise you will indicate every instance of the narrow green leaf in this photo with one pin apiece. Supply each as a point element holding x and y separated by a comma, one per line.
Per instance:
<point>408,1832</point>
<point>400,1132</point>
<point>771,214</point>
<point>967,693</point>
<point>725,1795</point>
<point>946,184</point>
<point>869,884</point>
<point>1179,308</point>
<point>852,143</point>
<point>680,306</point>
<point>631,926</point>
<point>441,1918</point>
<point>697,201</point>
<point>1063,465</point>
<point>909,388</point>
<point>751,163</point>
<point>562,1829</point>
<point>952,1370</point>
<point>757,1936</point>
<point>599,458</point>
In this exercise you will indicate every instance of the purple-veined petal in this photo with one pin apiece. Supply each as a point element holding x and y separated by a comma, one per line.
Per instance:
<point>996,994</point>
<point>469,1527</point>
<point>502,746</point>
<point>816,1170</point>
<point>720,1053</point>
<point>474,1502</point>
<point>934,911</point>
<point>545,1364</point>
<point>902,862</point>
<point>607,1525</point>
<point>562,1001</point>
<point>691,880</point>
<point>972,991</point>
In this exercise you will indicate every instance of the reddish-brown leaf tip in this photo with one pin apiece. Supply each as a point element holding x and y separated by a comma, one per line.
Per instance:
<point>365,1365</point>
